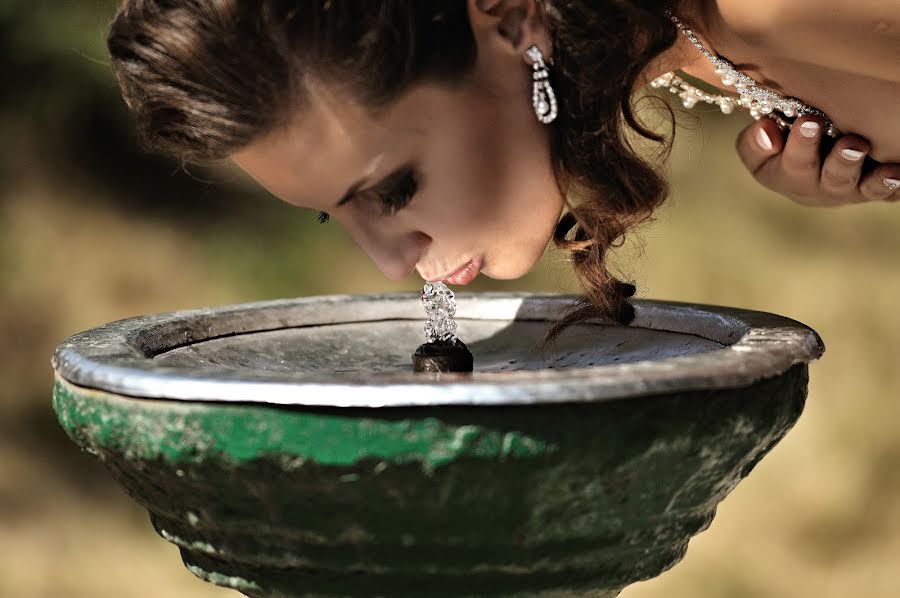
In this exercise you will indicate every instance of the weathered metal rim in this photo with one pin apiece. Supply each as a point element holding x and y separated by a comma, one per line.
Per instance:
<point>757,345</point>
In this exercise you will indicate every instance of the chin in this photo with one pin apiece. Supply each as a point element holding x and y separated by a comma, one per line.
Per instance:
<point>512,262</point>
<point>510,270</point>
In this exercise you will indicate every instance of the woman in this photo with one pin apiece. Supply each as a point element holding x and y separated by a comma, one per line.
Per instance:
<point>418,126</point>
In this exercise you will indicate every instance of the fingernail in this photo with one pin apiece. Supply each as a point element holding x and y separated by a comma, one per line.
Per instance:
<point>809,129</point>
<point>891,184</point>
<point>763,139</point>
<point>852,154</point>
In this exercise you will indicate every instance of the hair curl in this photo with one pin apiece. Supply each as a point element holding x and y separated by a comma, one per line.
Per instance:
<point>205,78</point>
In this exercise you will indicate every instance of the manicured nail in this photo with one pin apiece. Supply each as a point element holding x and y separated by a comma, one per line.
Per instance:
<point>852,154</point>
<point>809,129</point>
<point>763,139</point>
<point>891,184</point>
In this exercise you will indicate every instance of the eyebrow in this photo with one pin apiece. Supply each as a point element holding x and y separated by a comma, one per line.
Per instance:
<point>355,187</point>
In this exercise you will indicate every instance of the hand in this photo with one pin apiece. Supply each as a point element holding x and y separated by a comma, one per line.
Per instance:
<point>795,168</point>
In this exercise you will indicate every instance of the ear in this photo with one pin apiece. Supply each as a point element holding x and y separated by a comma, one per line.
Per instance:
<point>510,27</point>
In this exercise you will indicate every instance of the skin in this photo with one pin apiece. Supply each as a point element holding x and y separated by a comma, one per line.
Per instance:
<point>486,189</point>
<point>834,55</point>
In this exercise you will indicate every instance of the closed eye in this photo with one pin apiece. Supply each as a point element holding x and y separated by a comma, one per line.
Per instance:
<point>399,193</point>
<point>398,190</point>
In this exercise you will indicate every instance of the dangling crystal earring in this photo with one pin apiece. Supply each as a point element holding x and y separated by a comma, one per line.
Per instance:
<point>542,97</point>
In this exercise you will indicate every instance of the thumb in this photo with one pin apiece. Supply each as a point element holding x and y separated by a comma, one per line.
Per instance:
<point>759,142</point>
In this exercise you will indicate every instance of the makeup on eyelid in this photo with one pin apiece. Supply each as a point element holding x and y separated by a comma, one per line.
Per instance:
<point>405,185</point>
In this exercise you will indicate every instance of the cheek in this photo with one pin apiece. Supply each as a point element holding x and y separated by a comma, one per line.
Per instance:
<point>508,219</point>
<point>468,190</point>
<point>518,198</point>
<point>451,208</point>
<point>508,173</point>
<point>522,218</point>
<point>492,190</point>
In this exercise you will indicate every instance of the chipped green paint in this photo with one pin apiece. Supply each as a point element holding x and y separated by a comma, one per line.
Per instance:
<point>567,499</point>
<point>193,431</point>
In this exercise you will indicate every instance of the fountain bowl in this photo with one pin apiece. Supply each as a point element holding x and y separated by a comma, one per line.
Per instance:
<point>288,449</point>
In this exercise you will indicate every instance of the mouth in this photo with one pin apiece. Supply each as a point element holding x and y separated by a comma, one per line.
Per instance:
<point>465,274</point>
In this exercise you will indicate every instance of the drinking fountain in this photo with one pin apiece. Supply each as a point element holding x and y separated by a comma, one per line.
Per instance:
<point>288,449</point>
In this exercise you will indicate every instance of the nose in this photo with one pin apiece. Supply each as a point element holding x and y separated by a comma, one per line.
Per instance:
<point>396,255</point>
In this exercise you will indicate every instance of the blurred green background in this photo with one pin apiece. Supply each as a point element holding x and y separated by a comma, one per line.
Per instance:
<point>92,230</point>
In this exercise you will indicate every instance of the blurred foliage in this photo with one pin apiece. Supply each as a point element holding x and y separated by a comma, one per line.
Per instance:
<point>67,127</point>
<point>92,230</point>
<point>66,122</point>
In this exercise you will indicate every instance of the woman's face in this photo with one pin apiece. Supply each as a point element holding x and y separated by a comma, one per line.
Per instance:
<point>443,176</point>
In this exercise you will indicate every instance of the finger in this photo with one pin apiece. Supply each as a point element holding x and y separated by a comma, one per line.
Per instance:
<point>843,166</point>
<point>882,184</point>
<point>800,159</point>
<point>759,142</point>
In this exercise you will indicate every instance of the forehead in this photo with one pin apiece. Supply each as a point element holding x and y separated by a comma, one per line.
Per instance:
<point>322,149</point>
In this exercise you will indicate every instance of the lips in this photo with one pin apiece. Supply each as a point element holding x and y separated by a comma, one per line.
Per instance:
<point>466,274</point>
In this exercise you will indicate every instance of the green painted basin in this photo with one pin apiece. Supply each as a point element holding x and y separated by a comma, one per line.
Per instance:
<point>287,448</point>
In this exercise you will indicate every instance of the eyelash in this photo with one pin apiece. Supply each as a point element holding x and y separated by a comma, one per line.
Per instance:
<point>400,195</point>
<point>394,201</point>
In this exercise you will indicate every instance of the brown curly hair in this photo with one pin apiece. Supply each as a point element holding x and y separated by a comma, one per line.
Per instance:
<point>205,78</point>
